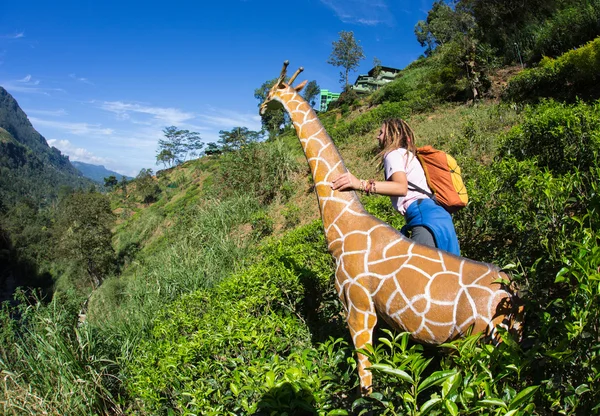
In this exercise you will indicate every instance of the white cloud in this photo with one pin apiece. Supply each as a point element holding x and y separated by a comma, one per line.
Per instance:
<point>361,12</point>
<point>77,153</point>
<point>53,113</point>
<point>170,116</point>
<point>16,35</point>
<point>73,128</point>
<point>224,119</point>
<point>28,85</point>
<point>80,79</point>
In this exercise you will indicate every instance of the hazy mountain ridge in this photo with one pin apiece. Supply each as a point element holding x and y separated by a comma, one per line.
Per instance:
<point>97,172</point>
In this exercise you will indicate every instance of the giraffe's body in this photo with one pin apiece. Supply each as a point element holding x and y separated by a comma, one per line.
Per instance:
<point>432,294</point>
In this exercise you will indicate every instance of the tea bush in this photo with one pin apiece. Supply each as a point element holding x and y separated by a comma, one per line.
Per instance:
<point>568,28</point>
<point>559,137</point>
<point>573,74</point>
<point>246,346</point>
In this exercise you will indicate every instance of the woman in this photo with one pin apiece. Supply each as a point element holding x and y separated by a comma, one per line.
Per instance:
<point>405,183</point>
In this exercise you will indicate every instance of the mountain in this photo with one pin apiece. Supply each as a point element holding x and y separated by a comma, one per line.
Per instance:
<point>97,172</point>
<point>29,168</point>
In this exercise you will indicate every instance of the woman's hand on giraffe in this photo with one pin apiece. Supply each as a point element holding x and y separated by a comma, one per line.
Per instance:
<point>345,182</point>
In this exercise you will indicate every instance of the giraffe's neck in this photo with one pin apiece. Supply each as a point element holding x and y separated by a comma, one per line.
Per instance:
<point>326,164</point>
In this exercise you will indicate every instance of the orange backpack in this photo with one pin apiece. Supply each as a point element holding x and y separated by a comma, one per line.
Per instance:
<point>443,177</point>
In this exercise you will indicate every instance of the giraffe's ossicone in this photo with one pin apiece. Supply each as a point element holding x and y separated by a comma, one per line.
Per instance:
<point>434,295</point>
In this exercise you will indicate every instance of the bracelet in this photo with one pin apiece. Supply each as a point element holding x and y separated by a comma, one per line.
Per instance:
<point>363,184</point>
<point>370,188</point>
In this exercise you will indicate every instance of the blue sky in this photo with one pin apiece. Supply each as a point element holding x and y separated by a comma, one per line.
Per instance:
<point>101,79</point>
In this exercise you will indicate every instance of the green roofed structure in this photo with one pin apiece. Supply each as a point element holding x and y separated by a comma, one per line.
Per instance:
<point>327,97</point>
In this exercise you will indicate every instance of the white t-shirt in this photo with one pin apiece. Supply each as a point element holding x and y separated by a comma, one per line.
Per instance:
<point>400,160</point>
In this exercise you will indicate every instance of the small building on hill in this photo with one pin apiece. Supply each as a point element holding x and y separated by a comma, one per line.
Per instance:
<point>375,79</point>
<point>326,98</point>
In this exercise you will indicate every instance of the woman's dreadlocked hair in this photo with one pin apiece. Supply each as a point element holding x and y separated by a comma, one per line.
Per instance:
<point>397,134</point>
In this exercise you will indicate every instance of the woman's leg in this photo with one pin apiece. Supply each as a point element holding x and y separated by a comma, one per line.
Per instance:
<point>423,236</point>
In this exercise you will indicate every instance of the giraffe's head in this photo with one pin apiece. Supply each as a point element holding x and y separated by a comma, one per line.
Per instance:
<point>280,87</point>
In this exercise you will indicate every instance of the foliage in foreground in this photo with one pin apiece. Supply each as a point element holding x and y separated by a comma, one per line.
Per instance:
<point>555,370</point>
<point>52,365</point>
<point>574,74</point>
<point>245,346</point>
<point>259,341</point>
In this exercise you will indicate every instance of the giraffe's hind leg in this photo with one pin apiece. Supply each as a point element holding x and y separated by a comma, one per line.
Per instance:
<point>361,318</point>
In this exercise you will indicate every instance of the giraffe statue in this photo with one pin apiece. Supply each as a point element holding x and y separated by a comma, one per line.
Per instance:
<point>432,294</point>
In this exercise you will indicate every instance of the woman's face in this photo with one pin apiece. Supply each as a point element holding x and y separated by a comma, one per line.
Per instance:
<point>381,136</point>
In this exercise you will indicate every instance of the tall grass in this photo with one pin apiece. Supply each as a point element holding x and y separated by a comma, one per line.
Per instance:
<point>205,244</point>
<point>50,365</point>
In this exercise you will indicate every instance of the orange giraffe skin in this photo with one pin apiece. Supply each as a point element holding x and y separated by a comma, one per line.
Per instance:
<point>434,295</point>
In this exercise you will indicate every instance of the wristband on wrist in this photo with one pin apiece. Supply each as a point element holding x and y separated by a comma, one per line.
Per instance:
<point>370,187</point>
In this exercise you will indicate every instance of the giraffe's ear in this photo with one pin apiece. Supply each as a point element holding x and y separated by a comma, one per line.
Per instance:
<point>299,87</point>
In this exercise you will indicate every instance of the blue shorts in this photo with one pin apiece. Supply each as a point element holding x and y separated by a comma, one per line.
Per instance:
<point>426,213</point>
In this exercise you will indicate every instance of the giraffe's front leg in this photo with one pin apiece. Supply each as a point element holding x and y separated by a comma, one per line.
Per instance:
<point>361,318</point>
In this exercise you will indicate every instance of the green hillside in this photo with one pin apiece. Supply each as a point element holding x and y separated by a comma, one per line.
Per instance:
<point>212,288</point>
<point>33,177</point>
<point>29,168</point>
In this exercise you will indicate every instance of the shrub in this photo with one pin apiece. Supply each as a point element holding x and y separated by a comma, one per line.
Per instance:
<point>244,346</point>
<point>260,169</point>
<point>414,87</point>
<point>568,28</point>
<point>574,74</point>
<point>560,137</point>
<point>262,224</point>
<point>291,213</point>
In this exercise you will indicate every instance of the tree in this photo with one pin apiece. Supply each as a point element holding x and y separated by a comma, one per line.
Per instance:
<point>212,149</point>
<point>311,91</point>
<point>166,157</point>
<point>83,232</point>
<point>145,186</point>
<point>376,67</point>
<point>237,138</point>
<point>346,53</point>
<point>272,120</point>
<point>123,185</point>
<point>177,145</point>
<point>450,35</point>
<point>502,23</point>
<point>111,181</point>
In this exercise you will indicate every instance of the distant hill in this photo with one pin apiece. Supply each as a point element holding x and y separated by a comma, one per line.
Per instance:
<point>97,172</point>
<point>29,168</point>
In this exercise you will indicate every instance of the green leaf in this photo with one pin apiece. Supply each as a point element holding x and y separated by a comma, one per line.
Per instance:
<point>582,388</point>
<point>436,378</point>
<point>491,402</point>
<point>522,397</point>
<point>387,369</point>
<point>270,379</point>
<point>452,407</point>
<point>560,276</point>
<point>451,384</point>
<point>338,412</point>
<point>234,389</point>
<point>430,405</point>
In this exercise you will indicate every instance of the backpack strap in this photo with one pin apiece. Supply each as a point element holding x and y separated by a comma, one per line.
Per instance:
<point>413,187</point>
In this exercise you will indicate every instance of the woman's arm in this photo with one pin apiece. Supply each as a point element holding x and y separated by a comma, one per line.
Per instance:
<point>396,185</point>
